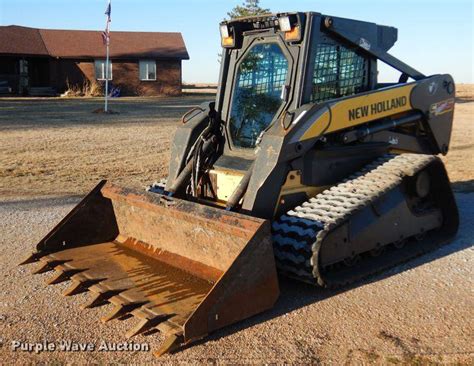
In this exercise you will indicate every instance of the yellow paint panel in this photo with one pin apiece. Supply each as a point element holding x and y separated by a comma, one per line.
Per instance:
<point>293,185</point>
<point>358,110</point>
<point>226,182</point>
<point>317,127</point>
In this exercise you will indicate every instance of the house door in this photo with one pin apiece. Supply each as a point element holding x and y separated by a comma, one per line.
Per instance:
<point>38,72</point>
<point>23,80</point>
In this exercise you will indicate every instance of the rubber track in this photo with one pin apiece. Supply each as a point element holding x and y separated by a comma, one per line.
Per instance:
<point>299,234</point>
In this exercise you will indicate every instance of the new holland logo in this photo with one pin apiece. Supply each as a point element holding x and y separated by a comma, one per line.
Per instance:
<point>377,108</point>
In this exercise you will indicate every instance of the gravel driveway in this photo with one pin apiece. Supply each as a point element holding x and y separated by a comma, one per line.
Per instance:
<point>418,312</point>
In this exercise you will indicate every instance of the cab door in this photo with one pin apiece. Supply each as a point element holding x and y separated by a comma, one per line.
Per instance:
<point>262,75</point>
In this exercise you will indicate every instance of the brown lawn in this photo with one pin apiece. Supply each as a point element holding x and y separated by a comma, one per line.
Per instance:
<point>59,147</point>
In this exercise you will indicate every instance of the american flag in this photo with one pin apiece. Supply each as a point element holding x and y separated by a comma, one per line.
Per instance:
<point>106,33</point>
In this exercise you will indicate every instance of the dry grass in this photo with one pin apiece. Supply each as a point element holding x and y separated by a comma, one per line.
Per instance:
<point>464,93</point>
<point>59,147</point>
<point>87,89</point>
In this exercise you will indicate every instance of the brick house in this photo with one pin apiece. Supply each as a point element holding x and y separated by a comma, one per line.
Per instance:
<point>142,63</point>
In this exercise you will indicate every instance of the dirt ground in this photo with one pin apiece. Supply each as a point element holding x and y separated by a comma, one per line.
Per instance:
<point>52,151</point>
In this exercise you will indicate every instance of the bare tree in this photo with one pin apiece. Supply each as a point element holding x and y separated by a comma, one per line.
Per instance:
<point>248,8</point>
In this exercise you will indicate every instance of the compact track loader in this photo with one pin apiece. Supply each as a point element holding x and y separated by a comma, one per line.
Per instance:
<point>304,163</point>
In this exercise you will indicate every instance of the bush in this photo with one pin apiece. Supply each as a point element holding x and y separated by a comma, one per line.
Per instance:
<point>87,89</point>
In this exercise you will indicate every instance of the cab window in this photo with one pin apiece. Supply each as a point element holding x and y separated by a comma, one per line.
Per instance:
<point>256,97</point>
<point>338,72</point>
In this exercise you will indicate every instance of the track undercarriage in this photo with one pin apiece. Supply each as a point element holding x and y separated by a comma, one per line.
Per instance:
<point>394,209</point>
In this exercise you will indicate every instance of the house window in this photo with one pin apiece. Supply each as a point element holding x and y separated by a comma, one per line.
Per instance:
<point>147,70</point>
<point>100,71</point>
<point>338,72</point>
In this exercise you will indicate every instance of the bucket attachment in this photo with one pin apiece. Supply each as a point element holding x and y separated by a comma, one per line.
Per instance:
<point>177,266</point>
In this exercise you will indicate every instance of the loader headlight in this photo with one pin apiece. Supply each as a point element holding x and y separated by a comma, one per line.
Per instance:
<point>227,37</point>
<point>224,31</point>
<point>284,22</point>
<point>290,27</point>
<point>228,42</point>
<point>294,34</point>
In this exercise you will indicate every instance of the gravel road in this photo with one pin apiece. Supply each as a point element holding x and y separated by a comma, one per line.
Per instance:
<point>417,313</point>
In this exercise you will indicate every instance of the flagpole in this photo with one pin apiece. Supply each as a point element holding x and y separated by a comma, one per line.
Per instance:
<point>106,77</point>
<point>107,61</point>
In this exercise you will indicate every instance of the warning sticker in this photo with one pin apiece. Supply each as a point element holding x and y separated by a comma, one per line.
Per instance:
<point>442,107</point>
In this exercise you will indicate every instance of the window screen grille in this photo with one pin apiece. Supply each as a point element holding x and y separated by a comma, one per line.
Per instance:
<point>338,72</point>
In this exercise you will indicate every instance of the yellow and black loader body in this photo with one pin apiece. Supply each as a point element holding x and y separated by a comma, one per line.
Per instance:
<point>333,119</point>
<point>305,162</point>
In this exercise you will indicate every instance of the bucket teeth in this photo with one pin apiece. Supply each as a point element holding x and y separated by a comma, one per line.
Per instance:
<point>78,287</point>
<point>119,311</point>
<point>33,257</point>
<point>171,343</point>
<point>47,265</point>
<point>145,325</point>
<point>142,326</point>
<point>62,275</point>
<point>99,298</point>
<point>43,267</point>
<point>96,300</point>
<point>116,312</point>
<point>75,288</point>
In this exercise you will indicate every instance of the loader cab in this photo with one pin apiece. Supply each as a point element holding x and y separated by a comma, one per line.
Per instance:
<point>275,64</point>
<point>272,67</point>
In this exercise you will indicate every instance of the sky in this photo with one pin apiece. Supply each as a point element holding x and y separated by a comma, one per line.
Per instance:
<point>434,36</point>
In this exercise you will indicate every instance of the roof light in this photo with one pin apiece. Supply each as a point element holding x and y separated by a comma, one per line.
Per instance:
<point>224,31</point>
<point>228,42</point>
<point>284,22</point>
<point>227,36</point>
<point>294,34</point>
<point>290,26</point>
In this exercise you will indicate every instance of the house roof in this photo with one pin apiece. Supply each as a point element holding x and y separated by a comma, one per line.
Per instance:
<point>17,40</point>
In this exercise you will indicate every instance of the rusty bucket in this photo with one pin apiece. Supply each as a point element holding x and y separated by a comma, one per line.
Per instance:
<point>180,267</point>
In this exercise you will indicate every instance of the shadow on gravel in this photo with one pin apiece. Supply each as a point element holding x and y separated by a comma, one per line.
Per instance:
<point>29,204</point>
<point>295,294</point>
<point>464,99</point>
